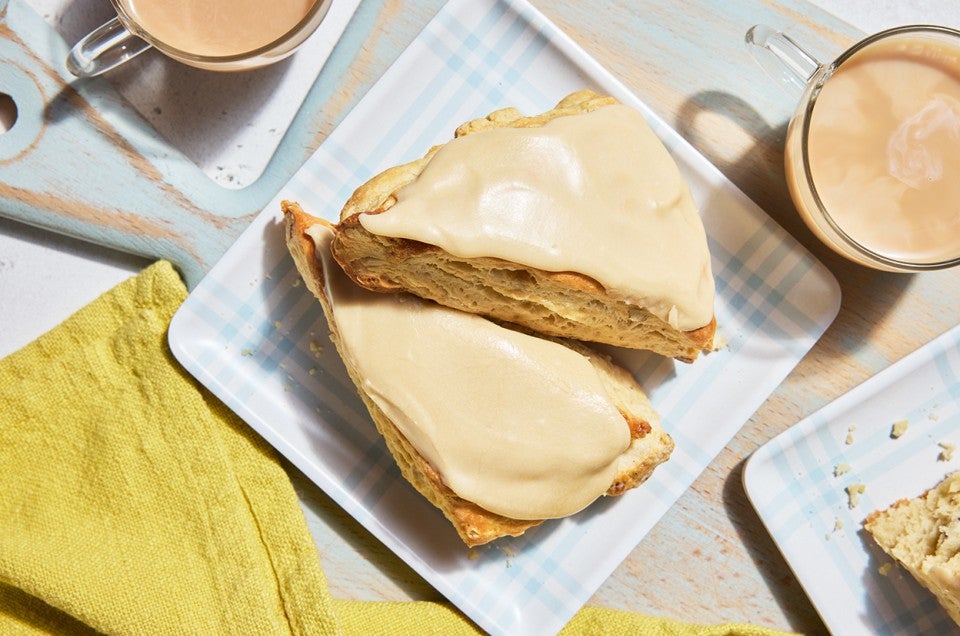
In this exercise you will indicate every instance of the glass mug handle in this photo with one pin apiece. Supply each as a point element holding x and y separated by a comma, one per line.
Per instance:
<point>783,59</point>
<point>104,48</point>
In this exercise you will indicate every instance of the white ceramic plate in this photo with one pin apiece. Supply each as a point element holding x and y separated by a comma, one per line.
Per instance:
<point>792,484</point>
<point>257,338</point>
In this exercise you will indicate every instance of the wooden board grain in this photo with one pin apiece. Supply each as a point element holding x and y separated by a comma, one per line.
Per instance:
<point>80,161</point>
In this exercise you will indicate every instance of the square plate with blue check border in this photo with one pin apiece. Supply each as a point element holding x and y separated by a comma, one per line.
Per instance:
<point>257,338</point>
<point>799,482</point>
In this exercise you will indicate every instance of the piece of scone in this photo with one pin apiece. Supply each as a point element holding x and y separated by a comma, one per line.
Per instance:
<point>575,223</point>
<point>923,535</point>
<point>498,428</point>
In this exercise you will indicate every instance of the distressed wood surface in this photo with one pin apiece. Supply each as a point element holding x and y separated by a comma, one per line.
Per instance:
<point>89,167</point>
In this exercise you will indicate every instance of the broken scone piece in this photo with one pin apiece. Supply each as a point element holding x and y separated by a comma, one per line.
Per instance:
<point>923,535</point>
<point>497,428</point>
<point>574,223</point>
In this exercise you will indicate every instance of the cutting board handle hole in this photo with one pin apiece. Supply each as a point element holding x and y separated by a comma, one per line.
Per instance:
<point>8,113</point>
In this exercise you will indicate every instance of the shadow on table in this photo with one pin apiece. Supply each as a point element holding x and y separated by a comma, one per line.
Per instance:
<point>866,294</point>
<point>866,298</point>
<point>771,565</point>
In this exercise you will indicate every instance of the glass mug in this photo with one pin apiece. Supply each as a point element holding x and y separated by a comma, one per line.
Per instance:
<point>218,35</point>
<point>872,154</point>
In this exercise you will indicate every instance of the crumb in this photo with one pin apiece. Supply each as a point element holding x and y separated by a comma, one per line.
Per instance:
<point>850,430</point>
<point>884,569</point>
<point>312,371</point>
<point>947,453</point>
<point>853,494</point>
<point>841,469</point>
<point>277,325</point>
<point>246,352</point>
<point>837,524</point>
<point>315,348</point>
<point>933,416</point>
<point>719,342</point>
<point>899,428</point>
<point>296,282</point>
<point>473,554</point>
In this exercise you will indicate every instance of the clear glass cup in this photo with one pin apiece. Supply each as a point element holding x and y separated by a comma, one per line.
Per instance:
<point>792,66</point>
<point>123,38</point>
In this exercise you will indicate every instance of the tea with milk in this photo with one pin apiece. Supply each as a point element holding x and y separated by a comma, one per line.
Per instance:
<point>883,149</point>
<point>217,28</point>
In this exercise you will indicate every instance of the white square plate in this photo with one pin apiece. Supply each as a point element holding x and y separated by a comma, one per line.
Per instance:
<point>792,484</point>
<point>257,339</point>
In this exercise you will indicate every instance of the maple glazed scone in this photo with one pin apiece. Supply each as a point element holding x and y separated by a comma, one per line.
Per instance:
<point>497,428</point>
<point>574,223</point>
<point>923,535</point>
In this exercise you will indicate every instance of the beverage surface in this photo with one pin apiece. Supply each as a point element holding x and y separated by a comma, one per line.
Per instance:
<point>217,28</point>
<point>884,148</point>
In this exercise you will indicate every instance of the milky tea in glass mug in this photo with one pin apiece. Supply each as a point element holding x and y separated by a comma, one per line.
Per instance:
<point>218,35</point>
<point>872,156</point>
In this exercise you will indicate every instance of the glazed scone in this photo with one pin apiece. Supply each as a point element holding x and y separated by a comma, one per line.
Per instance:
<point>923,535</point>
<point>575,223</point>
<point>497,428</point>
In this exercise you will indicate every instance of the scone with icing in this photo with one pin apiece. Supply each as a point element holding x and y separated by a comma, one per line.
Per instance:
<point>498,428</point>
<point>575,223</point>
<point>923,535</point>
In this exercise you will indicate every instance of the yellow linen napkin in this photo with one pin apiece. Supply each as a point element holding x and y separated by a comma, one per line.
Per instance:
<point>133,502</point>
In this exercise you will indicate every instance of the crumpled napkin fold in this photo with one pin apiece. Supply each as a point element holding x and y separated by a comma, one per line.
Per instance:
<point>133,502</point>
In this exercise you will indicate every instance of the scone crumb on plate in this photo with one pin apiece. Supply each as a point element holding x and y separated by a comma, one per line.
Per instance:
<point>853,494</point>
<point>316,348</point>
<point>719,342</point>
<point>850,430</point>
<point>899,428</point>
<point>841,469</point>
<point>884,569</point>
<point>947,453</point>
<point>837,524</point>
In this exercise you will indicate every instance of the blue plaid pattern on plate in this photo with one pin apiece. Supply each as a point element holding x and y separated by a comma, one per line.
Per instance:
<point>256,337</point>
<point>793,483</point>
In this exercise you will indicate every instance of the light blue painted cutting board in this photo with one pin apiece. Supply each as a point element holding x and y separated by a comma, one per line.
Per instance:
<point>82,162</point>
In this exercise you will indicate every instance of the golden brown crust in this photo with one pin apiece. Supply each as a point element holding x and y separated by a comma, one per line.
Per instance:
<point>562,304</point>
<point>650,445</point>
